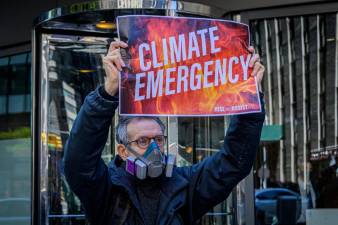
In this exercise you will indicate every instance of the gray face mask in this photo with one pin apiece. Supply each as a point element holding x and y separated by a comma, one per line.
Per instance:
<point>151,164</point>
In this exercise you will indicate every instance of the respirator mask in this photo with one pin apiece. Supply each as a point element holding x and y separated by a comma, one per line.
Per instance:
<point>153,163</point>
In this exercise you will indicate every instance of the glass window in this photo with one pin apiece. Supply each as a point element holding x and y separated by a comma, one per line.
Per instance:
<point>4,82</point>
<point>4,61</point>
<point>18,59</point>
<point>15,140</point>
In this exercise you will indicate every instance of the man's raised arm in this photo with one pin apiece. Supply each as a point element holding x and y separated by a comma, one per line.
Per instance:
<point>85,171</point>
<point>83,163</point>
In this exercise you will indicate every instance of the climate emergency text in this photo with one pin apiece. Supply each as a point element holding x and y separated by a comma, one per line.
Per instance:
<point>171,75</point>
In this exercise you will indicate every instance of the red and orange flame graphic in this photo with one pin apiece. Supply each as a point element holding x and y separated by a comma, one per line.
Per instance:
<point>229,98</point>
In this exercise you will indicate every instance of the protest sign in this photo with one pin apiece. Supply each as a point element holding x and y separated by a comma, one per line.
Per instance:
<point>179,66</point>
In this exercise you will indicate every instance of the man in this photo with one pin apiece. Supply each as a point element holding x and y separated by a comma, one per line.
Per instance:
<point>110,195</point>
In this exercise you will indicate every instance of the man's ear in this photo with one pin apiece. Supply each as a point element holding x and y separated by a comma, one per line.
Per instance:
<point>122,151</point>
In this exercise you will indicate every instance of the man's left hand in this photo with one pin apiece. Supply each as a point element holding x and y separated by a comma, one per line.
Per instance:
<point>258,68</point>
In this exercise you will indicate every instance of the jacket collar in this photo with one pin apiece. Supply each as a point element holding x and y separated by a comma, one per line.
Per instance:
<point>120,177</point>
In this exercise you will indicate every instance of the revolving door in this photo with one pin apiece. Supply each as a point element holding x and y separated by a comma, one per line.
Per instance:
<point>68,45</point>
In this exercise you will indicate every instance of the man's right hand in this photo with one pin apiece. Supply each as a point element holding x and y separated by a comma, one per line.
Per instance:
<point>112,64</point>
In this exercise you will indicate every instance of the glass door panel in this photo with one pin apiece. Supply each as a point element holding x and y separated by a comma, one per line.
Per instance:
<point>197,139</point>
<point>73,68</point>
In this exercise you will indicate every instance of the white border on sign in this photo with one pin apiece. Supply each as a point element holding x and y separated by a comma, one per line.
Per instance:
<point>186,115</point>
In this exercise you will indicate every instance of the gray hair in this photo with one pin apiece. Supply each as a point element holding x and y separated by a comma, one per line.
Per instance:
<point>121,129</point>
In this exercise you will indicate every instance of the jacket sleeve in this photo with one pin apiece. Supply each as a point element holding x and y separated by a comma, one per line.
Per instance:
<point>85,171</point>
<point>212,180</point>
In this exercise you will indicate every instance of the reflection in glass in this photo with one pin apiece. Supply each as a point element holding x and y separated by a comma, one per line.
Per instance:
<point>15,157</point>
<point>73,69</point>
<point>199,138</point>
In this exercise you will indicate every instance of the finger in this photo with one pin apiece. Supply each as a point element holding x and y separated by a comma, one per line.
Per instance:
<point>112,62</point>
<point>251,49</point>
<point>114,52</point>
<point>255,58</point>
<point>122,62</point>
<point>260,74</point>
<point>110,66</point>
<point>117,53</point>
<point>257,68</point>
<point>117,44</point>
<point>116,60</point>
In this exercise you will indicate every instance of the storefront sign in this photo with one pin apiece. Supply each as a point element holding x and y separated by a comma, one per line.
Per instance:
<point>185,67</point>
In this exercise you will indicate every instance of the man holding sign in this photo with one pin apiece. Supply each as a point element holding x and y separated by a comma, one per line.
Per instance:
<point>141,185</point>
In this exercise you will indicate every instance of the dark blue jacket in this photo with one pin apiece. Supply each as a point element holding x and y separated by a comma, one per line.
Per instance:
<point>107,192</point>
